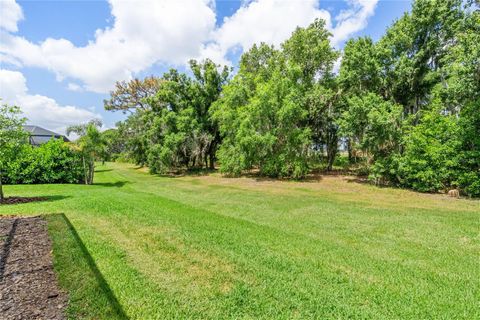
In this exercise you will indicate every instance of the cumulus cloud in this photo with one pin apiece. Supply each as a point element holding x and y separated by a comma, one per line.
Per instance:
<point>74,87</point>
<point>143,33</point>
<point>353,19</point>
<point>171,32</point>
<point>10,14</point>
<point>40,110</point>
<point>270,21</point>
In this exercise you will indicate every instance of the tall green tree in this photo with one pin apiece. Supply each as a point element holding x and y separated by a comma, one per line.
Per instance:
<point>115,144</point>
<point>359,74</point>
<point>12,137</point>
<point>412,50</point>
<point>133,132</point>
<point>360,68</point>
<point>182,133</point>
<point>309,51</point>
<point>429,161</point>
<point>267,132</point>
<point>375,124</point>
<point>264,111</point>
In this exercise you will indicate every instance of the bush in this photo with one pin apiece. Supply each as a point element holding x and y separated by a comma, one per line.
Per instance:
<point>429,162</point>
<point>53,162</point>
<point>440,153</point>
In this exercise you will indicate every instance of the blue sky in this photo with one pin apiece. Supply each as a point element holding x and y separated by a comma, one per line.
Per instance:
<point>60,58</point>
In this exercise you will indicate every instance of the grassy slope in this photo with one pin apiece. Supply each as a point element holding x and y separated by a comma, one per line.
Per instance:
<point>151,247</point>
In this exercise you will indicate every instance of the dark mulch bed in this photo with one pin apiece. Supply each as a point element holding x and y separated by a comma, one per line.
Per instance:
<point>28,283</point>
<point>17,200</point>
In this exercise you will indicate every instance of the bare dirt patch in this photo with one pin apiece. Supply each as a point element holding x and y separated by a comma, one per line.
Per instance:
<point>28,283</point>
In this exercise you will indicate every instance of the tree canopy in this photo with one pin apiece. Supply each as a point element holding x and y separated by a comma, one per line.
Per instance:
<point>404,108</point>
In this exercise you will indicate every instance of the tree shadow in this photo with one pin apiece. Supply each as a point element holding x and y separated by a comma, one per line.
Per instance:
<point>103,170</point>
<point>117,184</point>
<point>6,247</point>
<point>254,174</point>
<point>101,282</point>
<point>19,200</point>
<point>180,173</point>
<point>359,179</point>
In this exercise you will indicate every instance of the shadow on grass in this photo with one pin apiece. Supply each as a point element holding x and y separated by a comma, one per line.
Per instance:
<point>359,179</point>
<point>117,184</point>
<point>19,200</point>
<point>103,170</point>
<point>60,234</point>
<point>194,172</point>
<point>55,197</point>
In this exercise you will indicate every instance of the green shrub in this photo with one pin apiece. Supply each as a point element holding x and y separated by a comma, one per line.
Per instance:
<point>429,162</point>
<point>53,162</point>
<point>441,152</point>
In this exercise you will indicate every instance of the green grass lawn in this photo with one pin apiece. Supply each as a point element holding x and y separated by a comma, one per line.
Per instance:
<point>146,247</point>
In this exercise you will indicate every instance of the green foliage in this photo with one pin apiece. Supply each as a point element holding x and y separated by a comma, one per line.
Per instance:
<point>52,162</point>
<point>178,132</point>
<point>12,137</point>
<point>269,132</point>
<point>404,107</point>
<point>114,145</point>
<point>429,161</point>
<point>91,145</point>
<point>264,111</point>
<point>132,134</point>
<point>360,67</point>
<point>468,153</point>
<point>373,123</point>
<point>427,65</point>
<point>309,50</point>
<point>440,152</point>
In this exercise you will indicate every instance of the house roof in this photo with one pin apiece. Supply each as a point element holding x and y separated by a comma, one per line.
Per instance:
<point>39,133</point>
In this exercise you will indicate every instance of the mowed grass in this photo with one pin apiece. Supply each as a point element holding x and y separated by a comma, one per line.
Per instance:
<point>146,247</point>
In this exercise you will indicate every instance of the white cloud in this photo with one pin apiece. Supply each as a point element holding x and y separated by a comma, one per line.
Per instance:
<point>270,21</point>
<point>170,31</point>
<point>74,87</point>
<point>143,33</point>
<point>40,110</point>
<point>10,14</point>
<point>352,20</point>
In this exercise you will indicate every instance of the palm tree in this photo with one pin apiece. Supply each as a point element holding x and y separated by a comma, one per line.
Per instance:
<point>91,145</point>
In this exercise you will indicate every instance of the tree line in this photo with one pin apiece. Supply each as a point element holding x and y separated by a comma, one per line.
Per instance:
<point>405,109</point>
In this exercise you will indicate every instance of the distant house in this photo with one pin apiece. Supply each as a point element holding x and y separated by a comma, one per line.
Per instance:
<point>40,136</point>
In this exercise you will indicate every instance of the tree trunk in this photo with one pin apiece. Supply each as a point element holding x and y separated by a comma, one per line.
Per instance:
<point>85,173</point>
<point>351,157</point>
<point>212,160</point>
<point>212,149</point>
<point>331,153</point>
<point>332,146</point>
<point>1,188</point>
<point>91,171</point>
